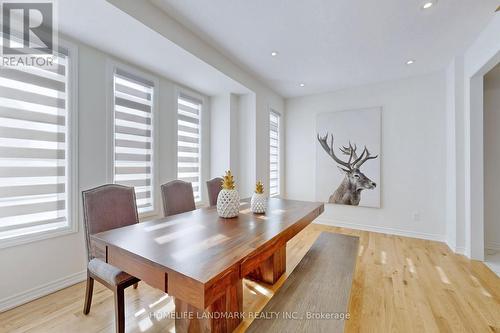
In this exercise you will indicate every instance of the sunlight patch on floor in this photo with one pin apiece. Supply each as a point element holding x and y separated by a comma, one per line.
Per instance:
<point>442,275</point>
<point>383,257</point>
<point>140,312</point>
<point>411,266</point>
<point>360,251</point>
<point>478,284</point>
<point>145,324</point>
<point>158,301</point>
<point>169,307</point>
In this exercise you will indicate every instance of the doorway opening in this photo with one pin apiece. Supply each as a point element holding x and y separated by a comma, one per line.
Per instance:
<point>491,104</point>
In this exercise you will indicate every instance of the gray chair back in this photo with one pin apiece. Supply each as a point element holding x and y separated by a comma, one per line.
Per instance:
<point>108,207</point>
<point>177,197</point>
<point>213,187</point>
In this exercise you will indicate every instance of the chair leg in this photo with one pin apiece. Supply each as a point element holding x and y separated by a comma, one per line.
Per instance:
<point>135,285</point>
<point>88,295</point>
<point>119,310</point>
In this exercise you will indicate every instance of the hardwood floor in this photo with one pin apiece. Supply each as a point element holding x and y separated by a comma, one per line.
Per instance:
<point>400,285</point>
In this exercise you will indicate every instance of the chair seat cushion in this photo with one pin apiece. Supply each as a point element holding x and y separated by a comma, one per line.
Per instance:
<point>107,272</point>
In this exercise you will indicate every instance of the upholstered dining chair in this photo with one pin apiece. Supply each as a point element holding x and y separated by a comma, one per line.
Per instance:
<point>213,187</point>
<point>178,197</point>
<point>108,207</point>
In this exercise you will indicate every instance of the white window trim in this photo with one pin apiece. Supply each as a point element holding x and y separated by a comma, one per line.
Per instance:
<point>280,193</point>
<point>111,65</point>
<point>73,187</point>
<point>204,139</point>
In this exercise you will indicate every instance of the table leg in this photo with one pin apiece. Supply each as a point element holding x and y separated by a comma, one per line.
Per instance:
<point>271,269</point>
<point>223,315</point>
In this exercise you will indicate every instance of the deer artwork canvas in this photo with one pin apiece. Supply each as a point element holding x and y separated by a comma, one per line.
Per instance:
<point>348,155</point>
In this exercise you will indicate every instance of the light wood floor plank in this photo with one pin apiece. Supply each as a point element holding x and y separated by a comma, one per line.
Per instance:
<point>400,285</point>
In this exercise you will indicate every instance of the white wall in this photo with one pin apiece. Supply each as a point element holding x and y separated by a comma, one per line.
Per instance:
<point>234,136</point>
<point>455,178</point>
<point>225,136</point>
<point>492,158</point>
<point>247,151</point>
<point>220,120</point>
<point>451,165</point>
<point>413,176</point>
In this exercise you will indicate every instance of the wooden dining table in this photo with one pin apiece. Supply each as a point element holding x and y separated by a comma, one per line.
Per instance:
<point>200,259</point>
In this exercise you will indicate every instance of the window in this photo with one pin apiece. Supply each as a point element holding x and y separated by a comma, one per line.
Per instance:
<point>274,153</point>
<point>133,136</point>
<point>189,142</point>
<point>37,151</point>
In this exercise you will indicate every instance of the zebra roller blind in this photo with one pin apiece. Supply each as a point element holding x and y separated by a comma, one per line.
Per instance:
<point>189,142</point>
<point>274,153</point>
<point>133,136</point>
<point>35,135</point>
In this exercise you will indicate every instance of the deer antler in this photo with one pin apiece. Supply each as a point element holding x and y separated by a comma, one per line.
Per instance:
<point>330,152</point>
<point>365,156</point>
<point>348,150</point>
<point>354,161</point>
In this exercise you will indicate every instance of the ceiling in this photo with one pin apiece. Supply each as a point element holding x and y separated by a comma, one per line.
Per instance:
<point>333,44</point>
<point>103,26</point>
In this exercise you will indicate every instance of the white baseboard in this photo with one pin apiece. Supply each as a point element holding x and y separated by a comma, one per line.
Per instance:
<point>457,249</point>
<point>43,290</point>
<point>494,268</point>
<point>491,245</point>
<point>384,230</point>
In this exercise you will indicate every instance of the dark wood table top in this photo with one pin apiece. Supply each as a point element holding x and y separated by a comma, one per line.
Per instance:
<point>200,245</point>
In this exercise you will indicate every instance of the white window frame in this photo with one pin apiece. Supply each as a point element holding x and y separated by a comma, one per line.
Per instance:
<point>204,138</point>
<point>72,159</point>
<point>280,152</point>
<point>111,66</point>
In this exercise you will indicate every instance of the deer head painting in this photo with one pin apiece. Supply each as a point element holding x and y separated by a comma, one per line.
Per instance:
<point>348,157</point>
<point>349,191</point>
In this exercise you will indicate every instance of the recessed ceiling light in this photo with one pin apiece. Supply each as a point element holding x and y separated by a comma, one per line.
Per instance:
<point>410,62</point>
<point>428,4</point>
<point>274,53</point>
<point>302,84</point>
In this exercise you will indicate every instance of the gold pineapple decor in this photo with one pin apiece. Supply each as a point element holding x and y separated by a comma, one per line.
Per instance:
<point>259,187</point>
<point>258,203</point>
<point>228,181</point>
<point>228,200</point>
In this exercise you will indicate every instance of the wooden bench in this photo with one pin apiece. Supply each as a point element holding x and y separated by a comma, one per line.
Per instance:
<point>316,294</point>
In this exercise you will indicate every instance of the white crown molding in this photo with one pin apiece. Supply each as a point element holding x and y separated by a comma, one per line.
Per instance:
<point>43,290</point>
